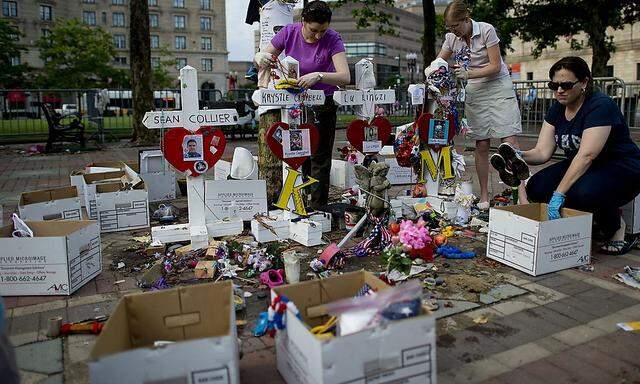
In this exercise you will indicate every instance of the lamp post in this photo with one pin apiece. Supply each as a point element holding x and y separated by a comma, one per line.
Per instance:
<point>411,63</point>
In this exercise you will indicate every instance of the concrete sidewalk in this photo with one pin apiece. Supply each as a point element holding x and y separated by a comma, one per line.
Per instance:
<point>556,328</point>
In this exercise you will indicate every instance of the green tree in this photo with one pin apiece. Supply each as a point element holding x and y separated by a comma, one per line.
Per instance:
<point>11,76</point>
<point>546,22</point>
<point>75,56</point>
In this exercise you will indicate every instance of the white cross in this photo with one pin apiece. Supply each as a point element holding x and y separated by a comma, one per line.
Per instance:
<point>366,97</point>
<point>191,118</point>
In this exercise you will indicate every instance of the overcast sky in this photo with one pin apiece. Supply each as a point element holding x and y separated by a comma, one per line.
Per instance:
<point>239,35</point>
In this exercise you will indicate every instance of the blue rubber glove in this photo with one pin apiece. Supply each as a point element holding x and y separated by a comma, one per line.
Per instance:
<point>556,202</point>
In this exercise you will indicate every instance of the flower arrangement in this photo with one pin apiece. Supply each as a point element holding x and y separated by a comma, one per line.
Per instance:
<point>413,238</point>
<point>394,258</point>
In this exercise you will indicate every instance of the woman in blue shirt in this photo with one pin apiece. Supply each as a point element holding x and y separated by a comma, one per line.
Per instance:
<point>601,171</point>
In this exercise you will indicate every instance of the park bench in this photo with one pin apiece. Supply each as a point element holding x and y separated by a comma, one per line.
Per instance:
<point>62,128</point>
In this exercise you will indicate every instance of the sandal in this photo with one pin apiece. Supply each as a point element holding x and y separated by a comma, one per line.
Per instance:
<point>500,164</point>
<point>514,162</point>
<point>616,247</point>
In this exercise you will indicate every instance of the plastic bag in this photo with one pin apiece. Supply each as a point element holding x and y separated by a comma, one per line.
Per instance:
<point>364,312</point>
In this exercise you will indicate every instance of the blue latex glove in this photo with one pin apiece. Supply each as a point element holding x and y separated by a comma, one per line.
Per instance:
<point>556,202</point>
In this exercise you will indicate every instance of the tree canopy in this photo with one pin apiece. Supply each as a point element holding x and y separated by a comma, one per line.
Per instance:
<point>76,56</point>
<point>12,74</point>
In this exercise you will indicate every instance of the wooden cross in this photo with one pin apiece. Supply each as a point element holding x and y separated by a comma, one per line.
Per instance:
<point>192,118</point>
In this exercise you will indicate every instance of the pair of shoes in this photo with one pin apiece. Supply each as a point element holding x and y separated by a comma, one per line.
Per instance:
<point>272,278</point>
<point>616,247</point>
<point>510,166</point>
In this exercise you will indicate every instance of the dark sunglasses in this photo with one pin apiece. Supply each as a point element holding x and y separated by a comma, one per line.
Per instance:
<point>566,85</point>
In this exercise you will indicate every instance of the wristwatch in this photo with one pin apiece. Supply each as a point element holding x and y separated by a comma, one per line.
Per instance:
<point>320,76</point>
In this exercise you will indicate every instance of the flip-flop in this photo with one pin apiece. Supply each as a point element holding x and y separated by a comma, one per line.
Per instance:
<point>499,164</point>
<point>514,162</point>
<point>620,247</point>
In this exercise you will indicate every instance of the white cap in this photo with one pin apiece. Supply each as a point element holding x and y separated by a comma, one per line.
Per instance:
<point>243,165</point>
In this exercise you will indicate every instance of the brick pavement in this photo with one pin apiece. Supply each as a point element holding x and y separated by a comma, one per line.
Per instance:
<point>561,330</point>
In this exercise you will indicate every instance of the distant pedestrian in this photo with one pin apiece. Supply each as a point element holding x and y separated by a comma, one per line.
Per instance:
<point>491,105</point>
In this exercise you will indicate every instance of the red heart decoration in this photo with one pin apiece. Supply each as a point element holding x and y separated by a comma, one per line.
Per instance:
<point>172,148</point>
<point>422,126</point>
<point>276,146</point>
<point>355,131</point>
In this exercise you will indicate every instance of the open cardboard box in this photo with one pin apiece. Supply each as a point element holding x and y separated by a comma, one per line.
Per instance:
<point>400,351</point>
<point>50,204</point>
<point>60,258</point>
<point>631,216</point>
<point>522,237</point>
<point>199,319</point>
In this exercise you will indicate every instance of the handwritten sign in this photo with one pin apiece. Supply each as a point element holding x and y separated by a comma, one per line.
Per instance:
<point>385,96</point>
<point>172,119</point>
<point>284,98</point>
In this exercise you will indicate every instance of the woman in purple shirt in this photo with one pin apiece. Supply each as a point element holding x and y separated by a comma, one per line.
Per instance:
<point>323,66</point>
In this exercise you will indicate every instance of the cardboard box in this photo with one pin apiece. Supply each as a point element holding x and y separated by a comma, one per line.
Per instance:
<point>77,179</point>
<point>200,319</point>
<point>398,175</point>
<point>522,237</point>
<point>90,181</point>
<point>152,161</point>
<point>159,177</point>
<point>50,204</point>
<point>631,216</point>
<point>306,232</point>
<point>205,269</point>
<point>121,210</point>
<point>60,258</point>
<point>402,351</point>
<point>170,233</point>
<point>249,197</point>
<point>221,228</point>
<point>324,218</point>
<point>264,235</point>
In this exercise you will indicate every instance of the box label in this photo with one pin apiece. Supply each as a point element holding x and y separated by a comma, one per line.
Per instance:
<point>249,197</point>
<point>34,274</point>
<point>211,376</point>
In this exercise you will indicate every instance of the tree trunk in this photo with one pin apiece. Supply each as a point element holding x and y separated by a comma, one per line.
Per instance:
<point>429,37</point>
<point>269,166</point>
<point>141,74</point>
<point>597,31</point>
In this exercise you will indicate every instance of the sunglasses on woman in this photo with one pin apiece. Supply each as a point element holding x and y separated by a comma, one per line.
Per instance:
<point>566,85</point>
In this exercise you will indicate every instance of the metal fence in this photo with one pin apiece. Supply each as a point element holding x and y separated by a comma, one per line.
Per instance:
<point>21,120</point>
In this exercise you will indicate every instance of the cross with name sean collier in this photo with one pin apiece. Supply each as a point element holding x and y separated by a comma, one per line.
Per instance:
<point>191,118</point>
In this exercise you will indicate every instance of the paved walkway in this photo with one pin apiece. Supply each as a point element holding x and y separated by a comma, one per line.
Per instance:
<point>558,328</point>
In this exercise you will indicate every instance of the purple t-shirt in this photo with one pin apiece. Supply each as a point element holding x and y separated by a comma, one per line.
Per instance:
<point>316,57</point>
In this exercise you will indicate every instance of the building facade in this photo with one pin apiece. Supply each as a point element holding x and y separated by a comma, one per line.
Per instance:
<point>624,62</point>
<point>415,6</point>
<point>192,32</point>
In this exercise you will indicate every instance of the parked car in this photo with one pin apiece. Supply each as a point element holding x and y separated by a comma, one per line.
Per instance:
<point>69,108</point>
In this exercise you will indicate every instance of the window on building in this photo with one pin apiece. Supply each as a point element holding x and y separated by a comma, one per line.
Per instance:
<point>206,44</point>
<point>637,71</point>
<point>9,9</point>
<point>180,62</point>
<point>365,49</point>
<point>46,13</point>
<point>207,65</point>
<point>179,22</point>
<point>117,19</point>
<point>15,60</point>
<point>205,23</point>
<point>117,2</point>
<point>181,42</point>
<point>178,3</point>
<point>89,1</point>
<point>121,60</point>
<point>104,18</point>
<point>155,62</point>
<point>609,70</point>
<point>153,20</point>
<point>153,3</point>
<point>44,32</point>
<point>529,75</point>
<point>120,41</point>
<point>89,17</point>
<point>155,41</point>
<point>205,4</point>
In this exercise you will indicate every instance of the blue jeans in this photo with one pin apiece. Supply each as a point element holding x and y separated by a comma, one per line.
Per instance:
<point>605,187</point>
